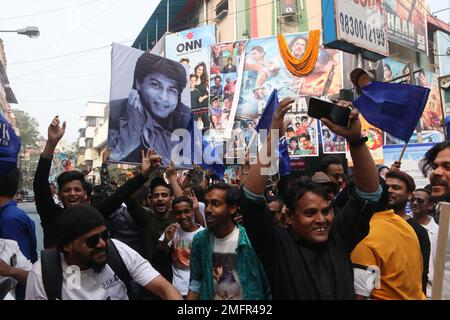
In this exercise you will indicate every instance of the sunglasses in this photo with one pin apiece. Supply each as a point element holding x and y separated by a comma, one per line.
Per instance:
<point>93,240</point>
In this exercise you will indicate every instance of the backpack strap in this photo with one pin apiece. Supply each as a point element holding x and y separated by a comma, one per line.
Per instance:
<point>52,276</point>
<point>116,263</point>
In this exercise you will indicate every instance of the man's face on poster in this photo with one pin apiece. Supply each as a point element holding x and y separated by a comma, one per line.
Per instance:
<point>306,144</point>
<point>159,94</point>
<point>299,47</point>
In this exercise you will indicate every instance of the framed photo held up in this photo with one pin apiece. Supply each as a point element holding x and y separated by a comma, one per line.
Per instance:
<point>441,279</point>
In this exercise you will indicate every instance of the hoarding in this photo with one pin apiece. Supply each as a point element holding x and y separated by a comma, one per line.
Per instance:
<point>407,23</point>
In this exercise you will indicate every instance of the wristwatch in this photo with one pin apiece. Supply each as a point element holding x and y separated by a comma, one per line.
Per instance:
<point>358,142</point>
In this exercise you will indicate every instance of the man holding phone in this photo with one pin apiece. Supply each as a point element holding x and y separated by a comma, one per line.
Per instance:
<point>310,259</point>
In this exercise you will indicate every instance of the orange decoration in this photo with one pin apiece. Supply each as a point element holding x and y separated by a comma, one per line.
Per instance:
<point>304,65</point>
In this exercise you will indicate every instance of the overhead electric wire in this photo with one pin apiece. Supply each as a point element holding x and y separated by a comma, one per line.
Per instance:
<point>69,33</point>
<point>49,11</point>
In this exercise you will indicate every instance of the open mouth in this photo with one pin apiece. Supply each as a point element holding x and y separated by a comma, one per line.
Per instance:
<point>320,229</point>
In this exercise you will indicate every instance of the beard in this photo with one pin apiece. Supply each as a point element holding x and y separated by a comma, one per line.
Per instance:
<point>397,204</point>
<point>96,265</point>
<point>443,198</point>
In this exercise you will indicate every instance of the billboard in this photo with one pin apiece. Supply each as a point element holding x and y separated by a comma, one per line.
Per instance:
<point>191,47</point>
<point>410,161</point>
<point>363,24</point>
<point>407,23</point>
<point>264,71</point>
<point>149,102</point>
<point>226,76</point>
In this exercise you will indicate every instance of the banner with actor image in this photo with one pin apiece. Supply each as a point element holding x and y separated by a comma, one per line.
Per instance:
<point>302,135</point>
<point>331,142</point>
<point>149,100</point>
<point>407,23</point>
<point>429,129</point>
<point>225,76</point>
<point>374,142</point>
<point>264,70</point>
<point>191,47</point>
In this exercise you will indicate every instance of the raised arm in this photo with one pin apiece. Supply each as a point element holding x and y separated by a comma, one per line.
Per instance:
<point>43,196</point>
<point>256,181</point>
<point>150,161</point>
<point>364,169</point>
<point>172,176</point>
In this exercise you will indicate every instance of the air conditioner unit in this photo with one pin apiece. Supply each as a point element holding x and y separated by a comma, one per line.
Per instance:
<point>221,15</point>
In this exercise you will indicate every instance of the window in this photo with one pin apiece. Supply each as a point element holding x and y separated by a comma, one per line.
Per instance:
<point>91,121</point>
<point>221,10</point>
<point>89,143</point>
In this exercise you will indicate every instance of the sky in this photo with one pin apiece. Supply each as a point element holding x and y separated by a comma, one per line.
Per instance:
<point>47,85</point>
<point>62,86</point>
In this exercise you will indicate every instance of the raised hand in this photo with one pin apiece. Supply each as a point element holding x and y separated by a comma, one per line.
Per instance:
<point>170,171</point>
<point>396,166</point>
<point>191,195</point>
<point>278,118</point>
<point>353,132</point>
<point>150,161</point>
<point>56,131</point>
<point>169,233</point>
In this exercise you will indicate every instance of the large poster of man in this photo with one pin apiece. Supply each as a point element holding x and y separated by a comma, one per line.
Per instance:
<point>264,71</point>
<point>407,23</point>
<point>157,104</point>
<point>191,47</point>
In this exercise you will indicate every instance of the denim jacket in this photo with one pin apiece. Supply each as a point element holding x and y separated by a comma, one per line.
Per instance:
<point>251,273</point>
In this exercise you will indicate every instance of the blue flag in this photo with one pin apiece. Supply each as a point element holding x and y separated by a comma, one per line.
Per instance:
<point>393,107</point>
<point>9,146</point>
<point>265,122</point>
<point>204,152</point>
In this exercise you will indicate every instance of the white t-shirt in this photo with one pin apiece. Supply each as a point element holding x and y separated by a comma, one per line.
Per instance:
<point>89,285</point>
<point>11,254</point>
<point>227,285</point>
<point>181,255</point>
<point>433,233</point>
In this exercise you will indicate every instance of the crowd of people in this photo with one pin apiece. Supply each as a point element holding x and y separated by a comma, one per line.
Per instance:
<point>321,235</point>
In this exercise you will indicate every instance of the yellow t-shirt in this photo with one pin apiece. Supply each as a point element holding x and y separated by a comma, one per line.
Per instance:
<point>392,250</point>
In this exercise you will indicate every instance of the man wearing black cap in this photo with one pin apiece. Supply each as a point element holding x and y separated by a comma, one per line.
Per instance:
<point>82,242</point>
<point>147,121</point>
<point>73,187</point>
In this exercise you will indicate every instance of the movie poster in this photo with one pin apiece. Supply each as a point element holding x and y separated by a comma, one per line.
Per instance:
<point>374,142</point>
<point>191,47</point>
<point>264,70</point>
<point>331,142</point>
<point>444,84</point>
<point>429,129</point>
<point>149,102</point>
<point>302,135</point>
<point>61,162</point>
<point>225,64</point>
<point>407,23</point>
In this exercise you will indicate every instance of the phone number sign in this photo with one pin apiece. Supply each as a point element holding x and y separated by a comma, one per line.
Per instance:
<point>363,24</point>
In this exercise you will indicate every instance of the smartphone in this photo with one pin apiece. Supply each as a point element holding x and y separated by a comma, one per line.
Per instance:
<point>323,109</point>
